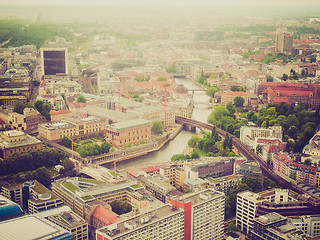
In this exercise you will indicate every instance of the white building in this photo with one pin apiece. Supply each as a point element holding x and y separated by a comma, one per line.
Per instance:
<point>251,135</point>
<point>247,204</point>
<point>308,224</point>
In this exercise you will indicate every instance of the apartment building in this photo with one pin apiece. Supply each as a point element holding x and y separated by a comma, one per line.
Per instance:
<point>14,141</point>
<point>195,216</point>
<point>129,132</point>
<point>204,214</point>
<point>165,222</point>
<point>248,204</point>
<point>224,184</point>
<point>297,171</point>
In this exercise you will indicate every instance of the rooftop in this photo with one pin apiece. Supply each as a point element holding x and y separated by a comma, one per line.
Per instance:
<point>140,220</point>
<point>129,124</point>
<point>30,227</point>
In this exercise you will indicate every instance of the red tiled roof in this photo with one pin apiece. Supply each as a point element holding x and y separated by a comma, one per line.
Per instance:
<point>235,93</point>
<point>262,140</point>
<point>280,100</point>
<point>42,84</point>
<point>153,168</point>
<point>105,215</point>
<point>60,112</point>
<point>132,171</point>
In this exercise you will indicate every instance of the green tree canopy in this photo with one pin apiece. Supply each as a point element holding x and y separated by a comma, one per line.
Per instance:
<point>161,79</point>
<point>193,141</point>
<point>211,91</point>
<point>120,207</point>
<point>81,99</point>
<point>238,101</point>
<point>157,127</point>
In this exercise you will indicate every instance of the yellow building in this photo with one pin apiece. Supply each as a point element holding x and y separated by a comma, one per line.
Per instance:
<point>14,141</point>
<point>129,132</point>
<point>72,127</point>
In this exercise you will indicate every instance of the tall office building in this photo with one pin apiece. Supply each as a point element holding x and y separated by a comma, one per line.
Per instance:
<point>54,61</point>
<point>283,41</point>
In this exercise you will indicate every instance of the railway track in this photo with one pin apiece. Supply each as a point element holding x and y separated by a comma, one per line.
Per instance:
<point>244,150</point>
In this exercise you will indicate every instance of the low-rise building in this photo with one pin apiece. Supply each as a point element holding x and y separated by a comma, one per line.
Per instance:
<point>41,198</point>
<point>224,184</point>
<point>227,97</point>
<point>14,141</point>
<point>74,224</point>
<point>297,171</point>
<point>32,227</point>
<point>129,132</point>
<point>211,167</point>
<point>309,224</point>
<point>72,127</point>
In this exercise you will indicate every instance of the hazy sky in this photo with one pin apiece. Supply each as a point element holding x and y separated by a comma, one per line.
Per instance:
<point>149,2</point>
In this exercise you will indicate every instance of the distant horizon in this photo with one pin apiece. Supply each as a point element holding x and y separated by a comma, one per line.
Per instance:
<point>163,2</point>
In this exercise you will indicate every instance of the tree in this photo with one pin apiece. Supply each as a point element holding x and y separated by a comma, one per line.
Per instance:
<point>193,141</point>
<point>308,162</point>
<point>269,78</point>
<point>238,101</point>
<point>120,207</point>
<point>19,107</point>
<point>81,99</point>
<point>231,108</point>
<point>157,127</point>
<point>105,147</point>
<point>231,227</point>
<point>211,91</point>
<point>161,79</point>
<point>259,149</point>
<point>43,176</point>
<point>67,164</point>
<point>38,105</point>
<point>285,77</point>
<point>66,142</point>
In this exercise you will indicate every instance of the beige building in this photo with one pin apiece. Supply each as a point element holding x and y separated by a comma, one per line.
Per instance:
<point>14,141</point>
<point>72,127</point>
<point>70,221</point>
<point>27,122</point>
<point>227,97</point>
<point>129,132</point>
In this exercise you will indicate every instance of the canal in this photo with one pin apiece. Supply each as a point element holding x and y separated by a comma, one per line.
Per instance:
<point>201,112</point>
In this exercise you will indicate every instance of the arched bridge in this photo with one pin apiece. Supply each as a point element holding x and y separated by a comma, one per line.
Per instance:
<point>242,148</point>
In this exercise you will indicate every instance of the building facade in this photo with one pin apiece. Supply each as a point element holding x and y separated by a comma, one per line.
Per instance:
<point>129,132</point>
<point>14,141</point>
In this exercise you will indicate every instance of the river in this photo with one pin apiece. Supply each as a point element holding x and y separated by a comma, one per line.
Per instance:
<point>178,145</point>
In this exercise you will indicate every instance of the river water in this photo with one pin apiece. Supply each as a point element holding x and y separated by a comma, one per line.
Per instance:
<point>200,112</point>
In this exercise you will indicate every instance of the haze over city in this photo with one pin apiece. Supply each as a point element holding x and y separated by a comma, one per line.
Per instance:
<point>173,119</point>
